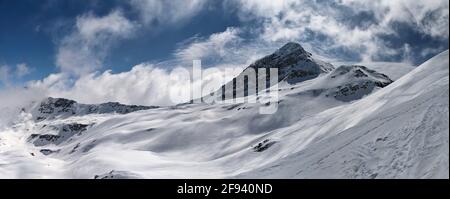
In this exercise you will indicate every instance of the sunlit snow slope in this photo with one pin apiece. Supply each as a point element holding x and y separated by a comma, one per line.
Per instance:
<point>399,132</point>
<point>350,122</point>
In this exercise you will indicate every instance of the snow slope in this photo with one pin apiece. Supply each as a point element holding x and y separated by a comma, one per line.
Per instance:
<point>349,122</point>
<point>399,132</point>
<point>392,69</point>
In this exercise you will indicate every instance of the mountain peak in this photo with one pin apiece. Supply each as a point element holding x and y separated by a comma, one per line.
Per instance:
<point>289,55</point>
<point>292,47</point>
<point>294,63</point>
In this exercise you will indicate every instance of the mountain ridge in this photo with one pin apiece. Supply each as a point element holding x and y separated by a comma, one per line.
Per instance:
<point>50,108</point>
<point>322,129</point>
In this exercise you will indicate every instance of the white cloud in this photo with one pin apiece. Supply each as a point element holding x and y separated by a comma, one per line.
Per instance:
<point>415,12</point>
<point>8,74</point>
<point>167,12</point>
<point>22,70</point>
<point>82,53</point>
<point>84,50</point>
<point>271,24</point>
<point>13,100</point>
<point>216,45</point>
<point>286,20</point>
<point>4,74</point>
<point>144,84</point>
<point>91,27</point>
<point>260,7</point>
<point>227,48</point>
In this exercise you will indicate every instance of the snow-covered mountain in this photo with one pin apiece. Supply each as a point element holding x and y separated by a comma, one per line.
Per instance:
<point>401,131</point>
<point>52,108</point>
<point>294,65</point>
<point>343,122</point>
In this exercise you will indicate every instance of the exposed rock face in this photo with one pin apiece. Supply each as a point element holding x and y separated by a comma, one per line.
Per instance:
<point>59,107</point>
<point>55,106</point>
<point>264,145</point>
<point>357,81</point>
<point>294,65</point>
<point>48,151</point>
<point>64,132</point>
<point>346,83</point>
<point>359,72</point>
<point>117,175</point>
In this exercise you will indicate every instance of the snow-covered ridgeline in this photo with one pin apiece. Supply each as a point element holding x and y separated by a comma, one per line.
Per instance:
<point>348,122</point>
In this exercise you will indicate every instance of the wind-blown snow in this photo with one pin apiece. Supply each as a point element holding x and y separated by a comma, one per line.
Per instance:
<point>390,130</point>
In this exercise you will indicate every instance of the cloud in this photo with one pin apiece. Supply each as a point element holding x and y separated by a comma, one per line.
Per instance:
<point>8,74</point>
<point>144,84</point>
<point>81,54</point>
<point>4,74</point>
<point>343,29</point>
<point>346,28</point>
<point>22,70</point>
<point>13,99</point>
<point>430,17</point>
<point>230,47</point>
<point>218,47</point>
<point>91,27</point>
<point>156,12</point>
<point>85,49</point>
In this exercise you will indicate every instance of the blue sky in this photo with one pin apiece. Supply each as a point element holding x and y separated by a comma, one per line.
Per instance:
<point>80,37</point>
<point>31,30</point>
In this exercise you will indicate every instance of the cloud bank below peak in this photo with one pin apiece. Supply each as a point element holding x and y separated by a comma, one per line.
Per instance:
<point>341,30</point>
<point>144,84</point>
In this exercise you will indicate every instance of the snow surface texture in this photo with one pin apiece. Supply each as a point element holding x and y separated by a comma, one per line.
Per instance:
<point>348,122</point>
